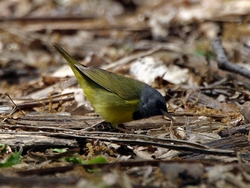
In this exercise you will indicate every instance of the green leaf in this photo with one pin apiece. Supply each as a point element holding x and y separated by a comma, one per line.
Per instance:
<point>58,150</point>
<point>13,159</point>
<point>209,54</point>
<point>3,148</point>
<point>75,160</point>
<point>78,160</point>
<point>97,160</point>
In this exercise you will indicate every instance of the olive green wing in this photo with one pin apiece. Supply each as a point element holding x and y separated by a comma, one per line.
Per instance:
<point>125,88</point>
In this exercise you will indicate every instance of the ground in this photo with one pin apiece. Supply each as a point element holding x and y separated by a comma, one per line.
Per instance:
<point>196,54</point>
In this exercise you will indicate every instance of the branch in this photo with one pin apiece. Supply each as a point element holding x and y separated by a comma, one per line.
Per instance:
<point>224,63</point>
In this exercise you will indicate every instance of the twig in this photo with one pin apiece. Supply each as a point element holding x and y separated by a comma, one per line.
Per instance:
<point>135,139</point>
<point>117,64</point>
<point>13,110</point>
<point>224,63</point>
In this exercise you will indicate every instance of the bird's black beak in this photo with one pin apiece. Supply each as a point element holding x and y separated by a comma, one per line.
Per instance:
<point>167,114</point>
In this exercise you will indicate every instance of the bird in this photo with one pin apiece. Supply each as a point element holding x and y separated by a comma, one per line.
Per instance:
<point>116,98</point>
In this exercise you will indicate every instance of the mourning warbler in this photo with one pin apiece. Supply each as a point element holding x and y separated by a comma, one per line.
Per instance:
<point>116,98</point>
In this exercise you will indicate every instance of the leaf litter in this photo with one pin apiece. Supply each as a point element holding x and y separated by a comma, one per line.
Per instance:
<point>206,145</point>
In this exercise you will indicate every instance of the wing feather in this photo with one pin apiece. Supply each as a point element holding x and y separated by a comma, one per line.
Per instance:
<point>125,88</point>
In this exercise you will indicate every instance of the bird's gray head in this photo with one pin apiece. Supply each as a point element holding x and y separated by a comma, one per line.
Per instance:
<point>152,103</point>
